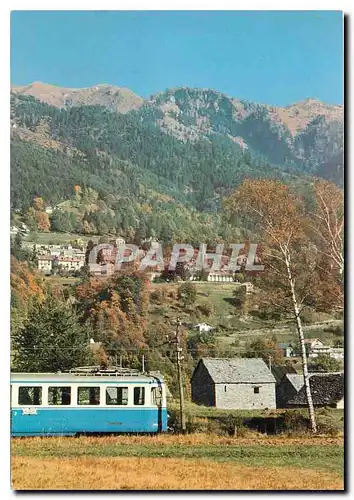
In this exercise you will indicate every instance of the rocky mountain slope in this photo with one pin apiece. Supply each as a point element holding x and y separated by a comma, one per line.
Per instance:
<point>117,99</point>
<point>159,168</point>
<point>306,136</point>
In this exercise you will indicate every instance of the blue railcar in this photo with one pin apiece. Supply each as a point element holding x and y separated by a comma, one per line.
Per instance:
<point>67,404</point>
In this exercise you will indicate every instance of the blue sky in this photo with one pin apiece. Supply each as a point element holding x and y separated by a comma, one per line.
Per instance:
<point>270,57</point>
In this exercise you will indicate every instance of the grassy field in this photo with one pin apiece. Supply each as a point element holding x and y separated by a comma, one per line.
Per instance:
<point>169,462</point>
<point>231,327</point>
<point>56,238</point>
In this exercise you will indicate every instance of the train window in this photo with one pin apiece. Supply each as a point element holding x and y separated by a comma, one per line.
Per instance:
<point>59,395</point>
<point>117,396</point>
<point>88,395</point>
<point>156,396</point>
<point>139,395</point>
<point>29,396</point>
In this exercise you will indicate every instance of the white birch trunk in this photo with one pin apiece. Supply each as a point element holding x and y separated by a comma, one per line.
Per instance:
<point>303,348</point>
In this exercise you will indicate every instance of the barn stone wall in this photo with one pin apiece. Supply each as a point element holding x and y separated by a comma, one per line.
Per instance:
<point>243,397</point>
<point>202,385</point>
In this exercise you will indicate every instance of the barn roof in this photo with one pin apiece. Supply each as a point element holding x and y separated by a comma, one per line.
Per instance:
<point>237,370</point>
<point>296,380</point>
<point>279,371</point>
<point>326,389</point>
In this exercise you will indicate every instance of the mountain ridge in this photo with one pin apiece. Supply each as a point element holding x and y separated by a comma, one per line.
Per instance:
<point>295,116</point>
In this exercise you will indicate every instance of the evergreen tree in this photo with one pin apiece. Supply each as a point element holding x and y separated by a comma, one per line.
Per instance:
<point>52,339</point>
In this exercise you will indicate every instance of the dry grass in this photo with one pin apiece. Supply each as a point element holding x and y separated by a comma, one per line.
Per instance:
<point>252,438</point>
<point>161,474</point>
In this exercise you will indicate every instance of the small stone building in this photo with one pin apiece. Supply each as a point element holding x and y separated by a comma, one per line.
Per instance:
<point>235,383</point>
<point>288,387</point>
<point>327,389</point>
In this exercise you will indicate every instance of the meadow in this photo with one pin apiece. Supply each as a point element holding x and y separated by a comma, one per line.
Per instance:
<point>177,462</point>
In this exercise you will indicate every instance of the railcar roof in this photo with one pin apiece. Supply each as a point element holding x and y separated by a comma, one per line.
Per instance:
<point>89,378</point>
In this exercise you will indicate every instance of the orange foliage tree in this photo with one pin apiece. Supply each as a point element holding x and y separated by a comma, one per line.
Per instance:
<point>274,214</point>
<point>26,288</point>
<point>37,216</point>
<point>117,310</point>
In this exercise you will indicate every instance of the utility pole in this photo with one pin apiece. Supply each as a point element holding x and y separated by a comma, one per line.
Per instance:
<point>270,362</point>
<point>180,382</point>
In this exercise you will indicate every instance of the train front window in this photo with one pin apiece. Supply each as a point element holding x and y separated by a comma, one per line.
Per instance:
<point>117,396</point>
<point>156,396</point>
<point>139,395</point>
<point>88,395</point>
<point>29,396</point>
<point>59,395</point>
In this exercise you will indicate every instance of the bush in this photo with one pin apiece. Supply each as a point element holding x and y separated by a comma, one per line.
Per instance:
<point>295,422</point>
<point>309,316</point>
<point>325,364</point>
<point>187,294</point>
<point>156,297</point>
<point>337,330</point>
<point>206,308</point>
<point>233,425</point>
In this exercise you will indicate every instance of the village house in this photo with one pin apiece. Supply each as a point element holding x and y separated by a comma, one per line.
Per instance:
<point>45,263</point>
<point>327,389</point>
<point>337,352</point>
<point>220,276</point>
<point>71,263</point>
<point>203,327</point>
<point>235,383</point>
<point>287,350</point>
<point>312,346</point>
<point>104,269</point>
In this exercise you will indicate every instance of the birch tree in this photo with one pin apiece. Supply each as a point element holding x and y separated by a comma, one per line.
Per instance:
<point>325,228</point>
<point>327,223</point>
<point>274,214</point>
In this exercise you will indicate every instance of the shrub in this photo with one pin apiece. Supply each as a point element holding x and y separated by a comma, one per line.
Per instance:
<point>233,425</point>
<point>205,308</point>
<point>337,330</point>
<point>156,297</point>
<point>325,364</point>
<point>295,422</point>
<point>187,294</point>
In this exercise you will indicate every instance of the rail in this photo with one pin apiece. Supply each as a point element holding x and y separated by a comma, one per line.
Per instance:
<point>114,371</point>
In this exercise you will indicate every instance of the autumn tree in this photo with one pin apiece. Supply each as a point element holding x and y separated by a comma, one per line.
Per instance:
<point>36,216</point>
<point>325,227</point>
<point>267,349</point>
<point>116,309</point>
<point>327,223</point>
<point>273,213</point>
<point>26,288</point>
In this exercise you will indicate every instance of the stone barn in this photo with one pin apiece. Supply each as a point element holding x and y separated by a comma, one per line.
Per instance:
<point>327,389</point>
<point>288,387</point>
<point>233,383</point>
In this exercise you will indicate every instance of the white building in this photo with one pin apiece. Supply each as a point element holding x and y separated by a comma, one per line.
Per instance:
<point>71,263</point>
<point>45,263</point>
<point>204,327</point>
<point>337,352</point>
<point>219,277</point>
